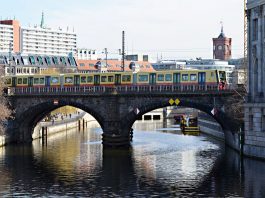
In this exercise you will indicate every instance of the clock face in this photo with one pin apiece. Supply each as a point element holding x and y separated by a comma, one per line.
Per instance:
<point>220,47</point>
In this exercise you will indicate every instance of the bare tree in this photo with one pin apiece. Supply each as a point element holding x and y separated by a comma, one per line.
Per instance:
<point>5,112</point>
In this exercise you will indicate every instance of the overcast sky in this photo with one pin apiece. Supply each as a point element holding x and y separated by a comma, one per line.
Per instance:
<point>173,29</point>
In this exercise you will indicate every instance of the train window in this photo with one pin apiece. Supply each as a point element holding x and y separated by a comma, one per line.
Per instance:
<point>8,81</point>
<point>36,80</point>
<point>126,78</point>
<point>110,78</point>
<point>83,79</point>
<point>103,78</point>
<point>68,79</point>
<point>160,77</point>
<point>82,64</point>
<point>41,80</point>
<point>212,74</point>
<point>193,77</point>
<point>168,77</point>
<point>25,81</point>
<point>55,80</point>
<point>19,81</point>
<point>185,77</point>
<point>143,78</point>
<point>90,79</point>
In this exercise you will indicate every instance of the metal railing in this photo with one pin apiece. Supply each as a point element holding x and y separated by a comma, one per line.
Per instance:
<point>85,90</point>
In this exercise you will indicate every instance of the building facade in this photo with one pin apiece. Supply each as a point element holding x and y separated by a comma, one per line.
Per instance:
<point>36,40</point>
<point>222,47</point>
<point>86,54</point>
<point>255,107</point>
<point>47,41</point>
<point>17,64</point>
<point>9,36</point>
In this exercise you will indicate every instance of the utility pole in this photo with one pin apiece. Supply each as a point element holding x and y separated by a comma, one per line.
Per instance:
<point>106,53</point>
<point>123,52</point>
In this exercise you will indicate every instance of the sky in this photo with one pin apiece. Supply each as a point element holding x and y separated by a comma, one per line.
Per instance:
<point>171,29</point>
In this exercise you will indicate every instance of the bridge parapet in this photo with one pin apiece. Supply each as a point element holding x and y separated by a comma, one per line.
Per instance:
<point>98,90</point>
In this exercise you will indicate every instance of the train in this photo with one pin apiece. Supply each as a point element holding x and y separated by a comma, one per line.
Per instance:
<point>166,77</point>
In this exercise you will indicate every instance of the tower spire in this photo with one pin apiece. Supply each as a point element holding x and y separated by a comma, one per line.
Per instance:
<point>42,20</point>
<point>222,27</point>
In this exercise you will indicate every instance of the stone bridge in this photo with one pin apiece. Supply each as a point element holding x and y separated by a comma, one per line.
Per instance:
<point>117,108</point>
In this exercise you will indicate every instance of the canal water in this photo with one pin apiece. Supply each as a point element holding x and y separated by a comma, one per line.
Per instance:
<point>159,164</point>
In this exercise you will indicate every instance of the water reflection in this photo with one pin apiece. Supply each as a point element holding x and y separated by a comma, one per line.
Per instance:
<point>74,164</point>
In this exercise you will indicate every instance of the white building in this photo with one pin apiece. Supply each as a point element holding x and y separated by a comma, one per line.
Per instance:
<point>46,41</point>
<point>36,40</point>
<point>86,54</point>
<point>6,37</point>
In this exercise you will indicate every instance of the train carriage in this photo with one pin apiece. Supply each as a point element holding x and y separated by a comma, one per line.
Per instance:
<point>166,77</point>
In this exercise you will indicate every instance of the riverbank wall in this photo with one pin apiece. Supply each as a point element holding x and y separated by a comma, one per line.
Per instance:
<point>48,128</point>
<point>210,127</point>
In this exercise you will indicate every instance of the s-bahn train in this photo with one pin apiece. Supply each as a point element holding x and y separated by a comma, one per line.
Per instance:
<point>169,77</point>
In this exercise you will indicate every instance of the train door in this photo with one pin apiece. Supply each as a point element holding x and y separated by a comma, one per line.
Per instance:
<point>76,80</point>
<point>14,81</point>
<point>152,78</point>
<point>176,78</point>
<point>30,81</point>
<point>47,81</point>
<point>117,79</point>
<point>201,78</point>
<point>96,79</point>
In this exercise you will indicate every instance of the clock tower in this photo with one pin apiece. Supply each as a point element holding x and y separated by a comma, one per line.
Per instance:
<point>222,46</point>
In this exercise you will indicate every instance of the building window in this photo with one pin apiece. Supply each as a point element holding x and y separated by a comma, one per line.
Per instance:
<point>39,59</point>
<point>55,60</point>
<point>48,60</point>
<point>32,60</point>
<point>255,29</point>
<point>250,122</point>
<point>62,59</point>
<point>263,123</point>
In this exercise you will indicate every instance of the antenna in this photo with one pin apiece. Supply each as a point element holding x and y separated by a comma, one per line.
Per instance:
<point>123,48</point>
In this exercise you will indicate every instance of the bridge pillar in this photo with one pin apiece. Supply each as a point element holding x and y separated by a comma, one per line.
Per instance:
<point>114,135</point>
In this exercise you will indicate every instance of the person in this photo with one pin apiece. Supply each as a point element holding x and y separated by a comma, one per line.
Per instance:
<point>223,84</point>
<point>187,121</point>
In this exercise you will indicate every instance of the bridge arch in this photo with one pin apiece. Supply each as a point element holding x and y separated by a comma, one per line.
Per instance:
<point>28,119</point>
<point>221,118</point>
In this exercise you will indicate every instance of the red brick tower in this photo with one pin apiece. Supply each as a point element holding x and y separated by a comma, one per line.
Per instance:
<point>222,46</point>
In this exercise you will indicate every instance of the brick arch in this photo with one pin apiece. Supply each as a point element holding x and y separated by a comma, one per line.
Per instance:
<point>29,119</point>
